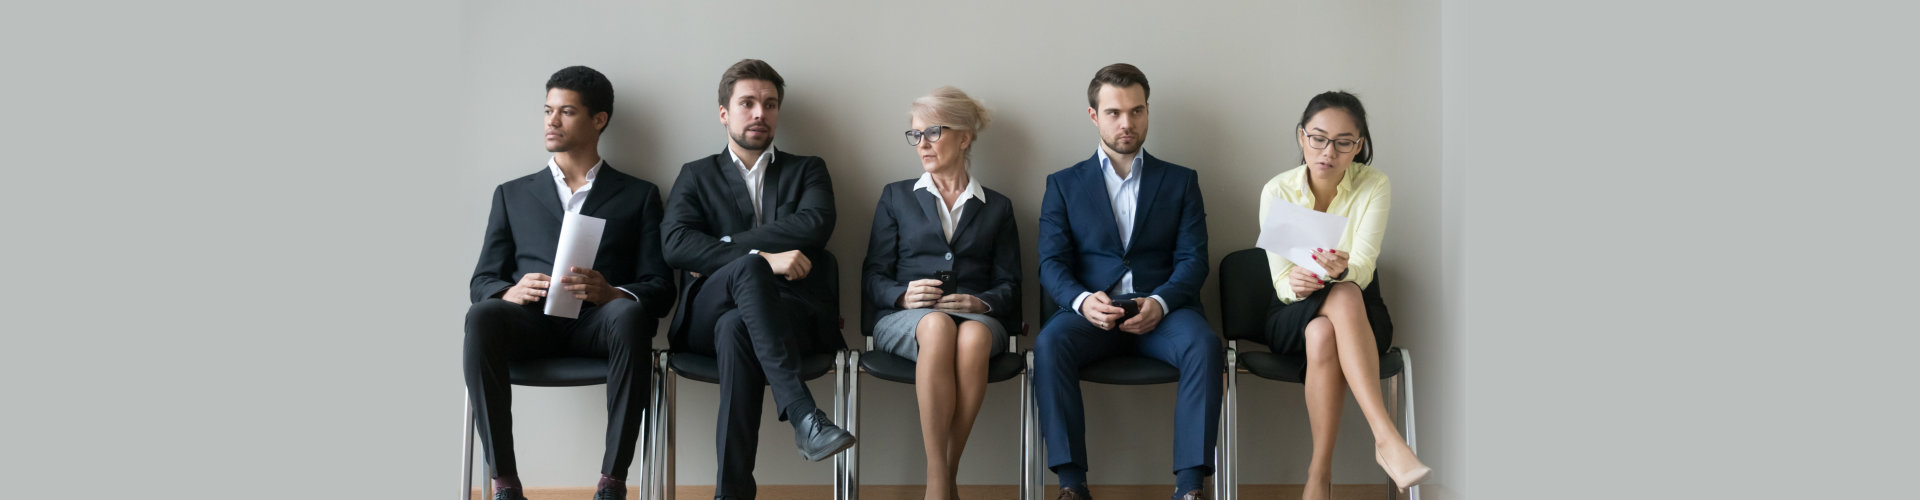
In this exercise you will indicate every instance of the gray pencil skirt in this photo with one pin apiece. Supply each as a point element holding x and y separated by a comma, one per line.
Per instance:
<point>894,333</point>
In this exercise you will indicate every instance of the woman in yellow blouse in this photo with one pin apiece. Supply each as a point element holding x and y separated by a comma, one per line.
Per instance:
<point>1338,320</point>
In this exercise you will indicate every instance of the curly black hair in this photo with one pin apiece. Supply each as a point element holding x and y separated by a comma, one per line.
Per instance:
<point>596,92</point>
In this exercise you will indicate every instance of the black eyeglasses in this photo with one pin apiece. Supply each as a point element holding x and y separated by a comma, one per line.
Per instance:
<point>931,133</point>
<point>1343,145</point>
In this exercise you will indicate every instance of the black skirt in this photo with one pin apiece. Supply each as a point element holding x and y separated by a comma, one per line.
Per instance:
<point>1287,323</point>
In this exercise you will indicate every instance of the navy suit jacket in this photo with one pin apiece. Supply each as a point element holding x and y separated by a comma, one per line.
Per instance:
<point>524,227</point>
<point>709,223</point>
<point>908,244</point>
<point>1080,243</point>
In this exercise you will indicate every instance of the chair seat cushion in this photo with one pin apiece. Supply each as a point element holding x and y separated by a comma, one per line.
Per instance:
<point>705,368</point>
<point>892,368</point>
<point>1293,368</point>
<point>557,372</point>
<point>1129,370</point>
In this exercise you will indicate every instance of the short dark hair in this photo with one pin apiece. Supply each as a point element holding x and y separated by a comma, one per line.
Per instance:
<point>1343,100</point>
<point>1119,75</point>
<point>750,69</point>
<point>596,93</point>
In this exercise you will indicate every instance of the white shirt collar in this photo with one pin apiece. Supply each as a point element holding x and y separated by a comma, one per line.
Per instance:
<point>972,190</point>
<point>1106,163</point>
<point>561,177</point>
<point>766,158</point>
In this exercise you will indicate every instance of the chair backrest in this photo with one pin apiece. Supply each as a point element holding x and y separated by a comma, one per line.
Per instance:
<point>1246,291</point>
<point>1047,308</point>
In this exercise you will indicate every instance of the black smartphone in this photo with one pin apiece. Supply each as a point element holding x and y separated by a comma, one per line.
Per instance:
<point>1131,308</point>
<point>946,281</point>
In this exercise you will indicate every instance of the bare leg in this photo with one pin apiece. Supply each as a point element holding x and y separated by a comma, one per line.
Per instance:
<point>1360,360</point>
<point>1326,397</point>
<point>975,349</point>
<point>934,384</point>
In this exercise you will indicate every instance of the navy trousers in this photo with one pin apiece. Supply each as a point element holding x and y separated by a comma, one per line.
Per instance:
<point>1183,339</point>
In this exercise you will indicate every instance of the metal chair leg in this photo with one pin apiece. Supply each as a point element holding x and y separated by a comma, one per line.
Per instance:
<point>655,405</point>
<point>1026,457</point>
<point>668,478</point>
<point>1036,447</point>
<point>466,455</point>
<point>1227,479</point>
<point>840,403</point>
<point>1406,372</point>
<point>853,422</point>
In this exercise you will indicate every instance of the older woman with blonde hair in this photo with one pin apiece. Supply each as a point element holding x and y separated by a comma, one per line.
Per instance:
<point>943,272</point>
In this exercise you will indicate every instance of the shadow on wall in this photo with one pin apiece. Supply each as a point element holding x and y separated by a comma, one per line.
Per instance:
<point>632,139</point>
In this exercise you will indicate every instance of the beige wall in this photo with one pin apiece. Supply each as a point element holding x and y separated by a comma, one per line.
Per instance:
<point>1229,82</point>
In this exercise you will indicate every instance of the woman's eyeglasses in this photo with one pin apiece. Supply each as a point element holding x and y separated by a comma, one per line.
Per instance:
<point>1341,145</point>
<point>931,133</point>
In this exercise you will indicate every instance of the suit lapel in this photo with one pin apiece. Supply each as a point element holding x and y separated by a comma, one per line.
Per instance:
<point>1095,181</point>
<point>1150,183</point>
<point>742,198</point>
<point>967,215</point>
<point>548,194</point>
<point>608,184</point>
<point>930,207</point>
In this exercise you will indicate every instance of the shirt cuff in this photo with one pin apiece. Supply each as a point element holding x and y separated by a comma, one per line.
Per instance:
<point>1163,304</point>
<point>630,295</point>
<point>1077,300</point>
<point>755,251</point>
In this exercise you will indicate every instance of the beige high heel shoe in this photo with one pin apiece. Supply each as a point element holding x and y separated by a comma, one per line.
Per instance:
<point>1408,479</point>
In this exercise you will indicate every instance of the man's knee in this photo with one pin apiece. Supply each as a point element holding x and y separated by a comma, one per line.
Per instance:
<point>749,266</point>
<point>629,325</point>
<point>489,318</point>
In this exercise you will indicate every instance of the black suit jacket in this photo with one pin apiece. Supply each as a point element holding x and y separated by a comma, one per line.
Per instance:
<point>908,244</point>
<point>523,230</point>
<point>709,222</point>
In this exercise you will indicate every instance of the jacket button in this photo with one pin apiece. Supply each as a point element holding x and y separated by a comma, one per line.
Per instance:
<point>1126,262</point>
<point>949,255</point>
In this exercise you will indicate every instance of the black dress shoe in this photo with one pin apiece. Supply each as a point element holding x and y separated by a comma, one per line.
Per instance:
<point>818,438</point>
<point>509,493</point>
<point>611,493</point>
<point>1193,495</point>
<point>1071,494</point>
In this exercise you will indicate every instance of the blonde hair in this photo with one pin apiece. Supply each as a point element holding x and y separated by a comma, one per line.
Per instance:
<point>955,109</point>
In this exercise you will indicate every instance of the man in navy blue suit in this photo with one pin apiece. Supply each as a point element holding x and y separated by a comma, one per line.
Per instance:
<point>1125,226</point>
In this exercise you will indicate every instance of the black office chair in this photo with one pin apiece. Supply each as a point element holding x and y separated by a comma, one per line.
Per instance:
<point>887,366</point>
<point>705,368</point>
<point>1246,291</point>
<point>1124,369</point>
<point>565,372</point>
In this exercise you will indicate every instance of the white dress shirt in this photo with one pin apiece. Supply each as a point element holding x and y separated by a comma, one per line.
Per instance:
<point>571,200</point>
<point>948,217</point>
<point>1124,195</point>
<point>755,176</point>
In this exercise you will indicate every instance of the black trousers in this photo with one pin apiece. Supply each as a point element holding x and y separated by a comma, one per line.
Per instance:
<point>499,331</point>
<point>758,336</point>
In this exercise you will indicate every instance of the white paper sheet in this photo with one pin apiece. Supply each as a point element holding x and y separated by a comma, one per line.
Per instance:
<point>579,241</point>
<point>1293,231</point>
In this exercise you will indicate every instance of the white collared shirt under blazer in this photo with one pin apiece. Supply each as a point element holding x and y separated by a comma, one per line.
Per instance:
<point>1363,197</point>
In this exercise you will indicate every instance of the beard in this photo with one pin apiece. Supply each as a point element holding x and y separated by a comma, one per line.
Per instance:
<point>743,141</point>
<point>1138,140</point>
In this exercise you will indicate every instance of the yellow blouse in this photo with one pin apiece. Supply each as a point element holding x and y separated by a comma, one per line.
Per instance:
<point>1362,197</point>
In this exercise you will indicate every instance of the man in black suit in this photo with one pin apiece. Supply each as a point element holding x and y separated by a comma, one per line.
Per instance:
<point>742,224</point>
<point>624,294</point>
